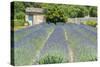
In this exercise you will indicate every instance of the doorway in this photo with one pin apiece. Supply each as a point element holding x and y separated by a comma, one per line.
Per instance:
<point>30,19</point>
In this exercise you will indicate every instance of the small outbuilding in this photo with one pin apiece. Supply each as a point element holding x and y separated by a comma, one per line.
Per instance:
<point>35,15</point>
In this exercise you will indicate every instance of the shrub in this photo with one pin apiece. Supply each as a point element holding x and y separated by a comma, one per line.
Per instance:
<point>20,15</point>
<point>49,59</point>
<point>90,23</point>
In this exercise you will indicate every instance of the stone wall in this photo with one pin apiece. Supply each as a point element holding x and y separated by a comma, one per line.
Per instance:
<point>79,20</point>
<point>39,18</point>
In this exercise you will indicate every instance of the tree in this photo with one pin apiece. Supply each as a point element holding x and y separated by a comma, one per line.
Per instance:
<point>82,11</point>
<point>54,13</point>
<point>93,11</point>
<point>77,11</point>
<point>20,15</point>
<point>18,8</point>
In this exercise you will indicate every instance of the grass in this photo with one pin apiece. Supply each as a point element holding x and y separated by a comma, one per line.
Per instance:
<point>51,59</point>
<point>19,27</point>
<point>90,23</point>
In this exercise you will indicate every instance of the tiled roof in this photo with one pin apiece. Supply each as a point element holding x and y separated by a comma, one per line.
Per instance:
<point>36,10</point>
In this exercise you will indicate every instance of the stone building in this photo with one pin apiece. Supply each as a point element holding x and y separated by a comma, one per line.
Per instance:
<point>35,15</point>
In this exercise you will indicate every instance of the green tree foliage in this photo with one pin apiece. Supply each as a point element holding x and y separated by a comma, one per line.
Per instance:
<point>77,11</point>
<point>72,11</point>
<point>19,10</point>
<point>93,11</point>
<point>32,4</point>
<point>20,15</point>
<point>55,13</point>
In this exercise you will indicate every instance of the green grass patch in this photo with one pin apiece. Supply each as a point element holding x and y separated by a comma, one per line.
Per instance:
<point>18,27</point>
<point>90,23</point>
<point>51,59</point>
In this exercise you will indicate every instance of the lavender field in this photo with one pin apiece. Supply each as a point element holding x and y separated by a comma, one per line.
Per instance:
<point>60,43</point>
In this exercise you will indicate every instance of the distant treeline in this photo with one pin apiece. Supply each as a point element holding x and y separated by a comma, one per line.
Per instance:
<point>54,12</point>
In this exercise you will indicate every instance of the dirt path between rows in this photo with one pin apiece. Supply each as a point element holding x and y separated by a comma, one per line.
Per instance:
<point>71,53</point>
